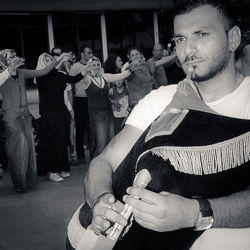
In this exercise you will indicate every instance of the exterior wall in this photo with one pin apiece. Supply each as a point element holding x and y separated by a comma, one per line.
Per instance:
<point>86,5</point>
<point>109,32</point>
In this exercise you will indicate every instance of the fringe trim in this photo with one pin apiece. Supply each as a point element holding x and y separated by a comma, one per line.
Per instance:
<point>206,160</point>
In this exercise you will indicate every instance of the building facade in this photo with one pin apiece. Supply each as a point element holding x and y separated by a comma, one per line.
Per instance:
<point>111,26</point>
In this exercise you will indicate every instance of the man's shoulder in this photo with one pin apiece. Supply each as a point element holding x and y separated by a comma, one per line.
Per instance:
<point>160,96</point>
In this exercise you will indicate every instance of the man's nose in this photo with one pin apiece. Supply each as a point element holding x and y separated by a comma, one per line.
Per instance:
<point>190,47</point>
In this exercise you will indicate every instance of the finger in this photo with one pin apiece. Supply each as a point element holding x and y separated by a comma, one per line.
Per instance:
<point>110,215</point>
<point>115,217</point>
<point>100,223</point>
<point>189,73</point>
<point>164,193</point>
<point>144,194</point>
<point>109,198</point>
<point>140,205</point>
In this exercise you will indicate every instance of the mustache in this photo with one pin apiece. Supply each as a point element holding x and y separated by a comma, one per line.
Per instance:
<point>191,58</point>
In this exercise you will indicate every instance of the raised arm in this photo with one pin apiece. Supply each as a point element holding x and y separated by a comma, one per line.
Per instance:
<point>166,59</point>
<point>37,73</point>
<point>116,77</point>
<point>14,64</point>
<point>4,76</point>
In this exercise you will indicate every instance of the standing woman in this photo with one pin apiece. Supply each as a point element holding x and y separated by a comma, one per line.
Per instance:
<point>113,64</point>
<point>54,123</point>
<point>100,111</point>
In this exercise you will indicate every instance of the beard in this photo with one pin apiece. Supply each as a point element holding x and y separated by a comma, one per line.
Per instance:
<point>218,65</point>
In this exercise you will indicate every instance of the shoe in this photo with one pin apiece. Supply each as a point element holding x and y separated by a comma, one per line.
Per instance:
<point>55,177</point>
<point>64,174</point>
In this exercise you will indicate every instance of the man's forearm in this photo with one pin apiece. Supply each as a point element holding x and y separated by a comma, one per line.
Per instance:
<point>98,179</point>
<point>232,211</point>
<point>5,75</point>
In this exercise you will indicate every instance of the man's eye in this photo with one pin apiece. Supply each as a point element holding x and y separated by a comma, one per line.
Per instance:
<point>203,34</point>
<point>178,40</point>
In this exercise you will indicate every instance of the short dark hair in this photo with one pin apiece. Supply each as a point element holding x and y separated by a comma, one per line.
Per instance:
<point>83,47</point>
<point>68,48</point>
<point>224,7</point>
<point>133,48</point>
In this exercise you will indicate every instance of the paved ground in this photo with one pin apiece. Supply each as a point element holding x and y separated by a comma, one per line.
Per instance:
<point>38,220</point>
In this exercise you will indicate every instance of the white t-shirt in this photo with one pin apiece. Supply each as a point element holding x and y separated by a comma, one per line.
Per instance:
<point>235,104</point>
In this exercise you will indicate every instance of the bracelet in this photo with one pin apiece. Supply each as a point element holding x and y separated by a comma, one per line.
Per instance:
<point>98,199</point>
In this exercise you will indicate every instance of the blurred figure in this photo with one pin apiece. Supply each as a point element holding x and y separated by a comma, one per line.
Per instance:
<point>80,103</point>
<point>113,64</point>
<point>55,119</point>
<point>243,56</point>
<point>174,71</point>
<point>160,77</point>
<point>118,94</point>
<point>141,82</point>
<point>101,116</point>
<point>18,123</point>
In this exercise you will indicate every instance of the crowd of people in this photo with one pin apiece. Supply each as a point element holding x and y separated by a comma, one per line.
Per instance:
<point>192,137</point>
<point>82,103</point>
<point>193,140</point>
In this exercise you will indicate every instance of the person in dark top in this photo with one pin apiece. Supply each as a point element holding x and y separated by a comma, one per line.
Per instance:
<point>100,109</point>
<point>55,119</point>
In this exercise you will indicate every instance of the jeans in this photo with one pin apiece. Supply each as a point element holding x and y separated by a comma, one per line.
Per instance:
<point>102,126</point>
<point>20,152</point>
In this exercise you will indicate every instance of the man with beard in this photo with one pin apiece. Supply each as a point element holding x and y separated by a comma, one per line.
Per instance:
<point>160,77</point>
<point>206,38</point>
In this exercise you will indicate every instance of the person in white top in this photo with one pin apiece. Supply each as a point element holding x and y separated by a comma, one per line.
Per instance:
<point>206,40</point>
<point>80,104</point>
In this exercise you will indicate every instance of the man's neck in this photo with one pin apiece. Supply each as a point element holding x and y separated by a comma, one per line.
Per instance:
<point>220,85</point>
<point>83,61</point>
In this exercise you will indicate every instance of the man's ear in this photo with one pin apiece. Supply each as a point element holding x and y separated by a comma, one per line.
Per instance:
<point>234,36</point>
<point>128,56</point>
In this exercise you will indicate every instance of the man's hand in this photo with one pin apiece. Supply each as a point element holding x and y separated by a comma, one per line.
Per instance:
<point>163,211</point>
<point>15,63</point>
<point>63,57</point>
<point>106,212</point>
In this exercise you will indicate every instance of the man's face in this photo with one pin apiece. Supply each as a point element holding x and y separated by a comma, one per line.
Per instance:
<point>157,52</point>
<point>71,56</point>
<point>57,53</point>
<point>202,42</point>
<point>87,54</point>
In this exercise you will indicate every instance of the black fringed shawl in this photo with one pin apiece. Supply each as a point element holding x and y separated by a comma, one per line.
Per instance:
<point>191,151</point>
